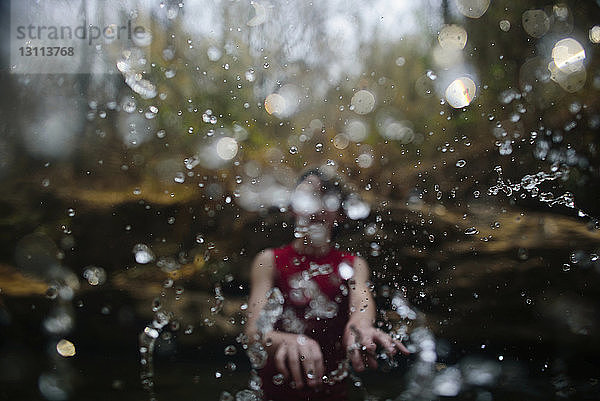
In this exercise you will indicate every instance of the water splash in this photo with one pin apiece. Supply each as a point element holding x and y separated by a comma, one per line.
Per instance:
<point>155,329</point>
<point>421,374</point>
<point>530,183</point>
<point>131,65</point>
<point>219,301</point>
<point>271,312</point>
<point>147,342</point>
<point>306,291</point>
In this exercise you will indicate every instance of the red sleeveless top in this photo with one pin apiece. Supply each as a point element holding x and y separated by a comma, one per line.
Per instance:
<point>315,292</point>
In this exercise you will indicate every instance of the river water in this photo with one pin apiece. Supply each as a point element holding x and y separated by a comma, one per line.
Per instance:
<point>141,175</point>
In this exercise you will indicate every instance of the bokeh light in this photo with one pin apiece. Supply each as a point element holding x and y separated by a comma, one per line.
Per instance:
<point>356,131</point>
<point>567,65</point>
<point>260,16</point>
<point>227,148</point>
<point>472,8</point>
<point>594,34</point>
<point>453,37</point>
<point>569,81</point>
<point>94,275</point>
<point>401,131</point>
<point>275,104</point>
<point>535,22</point>
<point>341,141</point>
<point>65,348</point>
<point>362,102</point>
<point>460,92</point>
<point>568,55</point>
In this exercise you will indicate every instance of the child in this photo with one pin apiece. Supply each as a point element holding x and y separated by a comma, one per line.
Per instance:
<point>328,312</point>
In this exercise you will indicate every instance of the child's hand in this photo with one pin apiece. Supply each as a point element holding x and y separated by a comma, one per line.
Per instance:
<point>300,354</point>
<point>361,342</point>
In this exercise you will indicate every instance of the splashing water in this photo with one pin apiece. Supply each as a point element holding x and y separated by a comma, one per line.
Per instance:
<point>306,291</point>
<point>530,184</point>
<point>219,301</point>
<point>131,65</point>
<point>271,312</point>
<point>151,332</point>
<point>147,341</point>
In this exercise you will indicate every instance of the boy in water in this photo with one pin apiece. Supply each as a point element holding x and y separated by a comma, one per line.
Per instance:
<point>327,312</point>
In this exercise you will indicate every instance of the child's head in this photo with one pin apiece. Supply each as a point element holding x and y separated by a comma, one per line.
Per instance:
<point>317,193</point>
<point>316,203</point>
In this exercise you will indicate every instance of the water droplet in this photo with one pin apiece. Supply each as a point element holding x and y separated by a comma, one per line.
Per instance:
<point>179,178</point>
<point>461,163</point>
<point>355,208</point>
<point>249,75</point>
<point>246,395</point>
<point>278,379</point>
<point>230,350</point>
<point>505,148</point>
<point>293,150</point>
<point>65,348</point>
<point>143,254</point>
<point>95,275</point>
<point>51,292</point>
<point>471,231</point>
<point>523,254</point>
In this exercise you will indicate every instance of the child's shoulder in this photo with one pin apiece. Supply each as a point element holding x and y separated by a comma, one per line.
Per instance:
<point>265,256</point>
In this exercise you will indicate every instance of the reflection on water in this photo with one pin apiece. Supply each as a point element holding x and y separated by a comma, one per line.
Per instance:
<point>480,317</point>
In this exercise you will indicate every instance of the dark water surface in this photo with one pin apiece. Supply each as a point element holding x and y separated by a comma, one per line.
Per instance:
<point>528,322</point>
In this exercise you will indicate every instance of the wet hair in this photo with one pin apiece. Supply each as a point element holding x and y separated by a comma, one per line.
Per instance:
<point>328,184</point>
<point>333,184</point>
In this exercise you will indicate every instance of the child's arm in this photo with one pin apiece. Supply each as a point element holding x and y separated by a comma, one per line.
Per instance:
<point>293,351</point>
<point>261,282</point>
<point>360,337</point>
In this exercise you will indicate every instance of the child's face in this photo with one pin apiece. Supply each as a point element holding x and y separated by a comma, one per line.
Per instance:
<point>314,206</point>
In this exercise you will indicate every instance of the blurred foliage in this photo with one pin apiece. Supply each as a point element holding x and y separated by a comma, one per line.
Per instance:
<point>215,85</point>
